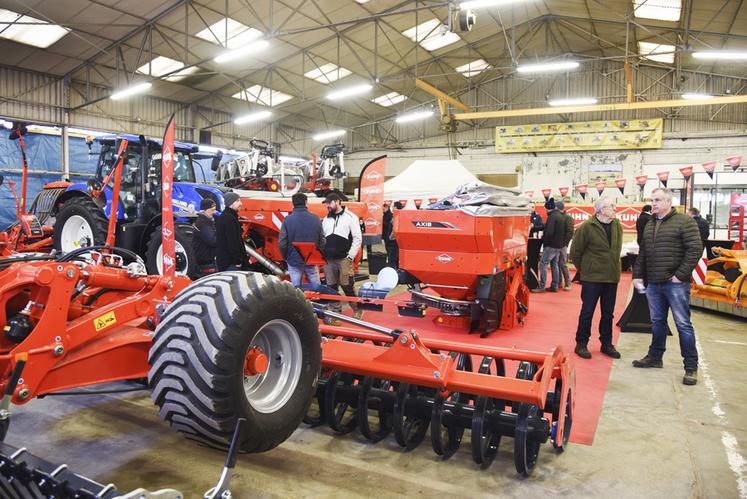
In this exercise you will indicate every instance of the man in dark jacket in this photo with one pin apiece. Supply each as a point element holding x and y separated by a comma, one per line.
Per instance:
<point>230,253</point>
<point>552,242</point>
<point>343,232</point>
<point>204,242</point>
<point>596,254</point>
<point>537,224</point>
<point>670,251</point>
<point>300,227</point>
<point>386,228</point>
<point>703,226</point>
<point>565,275</point>
<point>640,224</point>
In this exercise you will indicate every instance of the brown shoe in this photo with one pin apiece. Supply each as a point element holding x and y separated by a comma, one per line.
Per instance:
<point>648,361</point>
<point>691,377</point>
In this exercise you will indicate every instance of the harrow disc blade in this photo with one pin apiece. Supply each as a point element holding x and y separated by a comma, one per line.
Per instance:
<point>526,444</point>
<point>409,431</point>
<point>365,401</point>
<point>446,437</point>
<point>334,410</point>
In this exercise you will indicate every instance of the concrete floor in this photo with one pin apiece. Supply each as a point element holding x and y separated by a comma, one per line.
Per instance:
<point>656,438</point>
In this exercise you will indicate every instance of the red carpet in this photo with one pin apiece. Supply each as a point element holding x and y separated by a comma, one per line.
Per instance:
<point>551,321</point>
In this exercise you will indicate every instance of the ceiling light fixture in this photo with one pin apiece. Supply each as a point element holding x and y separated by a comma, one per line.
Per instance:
<point>329,135</point>
<point>232,55</point>
<point>725,55</point>
<point>349,91</point>
<point>251,117</point>
<point>135,89</point>
<point>546,67</point>
<point>415,116</point>
<point>574,101</point>
<point>696,96</point>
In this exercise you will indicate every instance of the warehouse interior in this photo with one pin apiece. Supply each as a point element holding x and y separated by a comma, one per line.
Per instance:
<point>435,113</point>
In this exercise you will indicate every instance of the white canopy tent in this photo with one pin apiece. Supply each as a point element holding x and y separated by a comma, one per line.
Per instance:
<point>427,180</point>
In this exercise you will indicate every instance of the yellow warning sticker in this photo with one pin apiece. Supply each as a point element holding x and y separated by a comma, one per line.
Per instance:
<point>104,321</point>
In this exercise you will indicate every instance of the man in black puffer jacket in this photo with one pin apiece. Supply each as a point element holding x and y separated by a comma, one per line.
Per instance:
<point>552,242</point>
<point>204,242</point>
<point>230,253</point>
<point>670,251</point>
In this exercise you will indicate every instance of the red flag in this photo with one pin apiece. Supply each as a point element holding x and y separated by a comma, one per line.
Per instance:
<point>663,177</point>
<point>581,189</point>
<point>641,180</point>
<point>529,194</point>
<point>709,167</point>
<point>168,248</point>
<point>546,193</point>
<point>687,172</point>
<point>563,190</point>
<point>620,183</point>
<point>735,162</point>
<point>600,187</point>
<point>371,194</point>
<point>418,202</point>
<point>432,200</point>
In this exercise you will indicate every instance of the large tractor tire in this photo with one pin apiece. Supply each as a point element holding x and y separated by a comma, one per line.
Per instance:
<point>204,360</point>
<point>186,262</point>
<point>79,224</point>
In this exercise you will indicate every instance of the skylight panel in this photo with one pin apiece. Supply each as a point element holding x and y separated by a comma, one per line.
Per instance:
<point>328,73</point>
<point>236,33</point>
<point>431,35</point>
<point>473,68</point>
<point>29,30</point>
<point>656,52</point>
<point>389,99</point>
<point>660,10</point>
<point>164,65</point>
<point>262,95</point>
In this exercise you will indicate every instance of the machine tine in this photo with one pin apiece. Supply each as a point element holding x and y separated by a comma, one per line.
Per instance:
<point>5,404</point>
<point>221,491</point>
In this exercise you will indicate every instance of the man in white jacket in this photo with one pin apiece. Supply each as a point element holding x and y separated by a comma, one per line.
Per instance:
<point>342,231</point>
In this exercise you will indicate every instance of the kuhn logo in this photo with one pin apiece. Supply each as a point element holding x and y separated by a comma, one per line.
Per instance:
<point>373,206</point>
<point>370,222</point>
<point>371,191</point>
<point>373,176</point>
<point>259,217</point>
<point>444,258</point>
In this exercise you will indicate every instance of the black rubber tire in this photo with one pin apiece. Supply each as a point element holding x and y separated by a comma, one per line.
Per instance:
<point>86,208</point>
<point>198,352</point>
<point>183,237</point>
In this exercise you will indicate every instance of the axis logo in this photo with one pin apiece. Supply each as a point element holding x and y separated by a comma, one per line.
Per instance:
<point>444,258</point>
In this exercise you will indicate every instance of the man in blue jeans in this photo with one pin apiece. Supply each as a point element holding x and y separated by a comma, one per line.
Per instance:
<point>552,243</point>
<point>301,226</point>
<point>670,251</point>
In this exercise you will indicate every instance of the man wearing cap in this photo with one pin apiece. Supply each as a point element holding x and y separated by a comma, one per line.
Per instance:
<point>342,231</point>
<point>204,242</point>
<point>552,242</point>
<point>565,275</point>
<point>301,226</point>
<point>230,253</point>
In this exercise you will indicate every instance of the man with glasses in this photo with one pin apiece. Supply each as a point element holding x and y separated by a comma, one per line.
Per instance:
<point>670,251</point>
<point>596,254</point>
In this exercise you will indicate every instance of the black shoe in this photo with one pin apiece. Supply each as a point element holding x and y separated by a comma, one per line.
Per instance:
<point>582,351</point>
<point>609,349</point>
<point>691,377</point>
<point>552,290</point>
<point>648,361</point>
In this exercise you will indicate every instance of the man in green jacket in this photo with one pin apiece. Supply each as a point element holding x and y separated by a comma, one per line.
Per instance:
<point>596,254</point>
<point>670,251</point>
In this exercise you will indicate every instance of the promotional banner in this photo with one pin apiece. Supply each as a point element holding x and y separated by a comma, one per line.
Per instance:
<point>581,189</point>
<point>709,167</point>
<point>626,214</point>
<point>620,183</point>
<point>663,177</point>
<point>641,180</point>
<point>371,193</point>
<point>686,172</point>
<point>168,247</point>
<point>600,187</point>
<point>735,162</point>
<point>546,193</point>
<point>563,191</point>
<point>580,136</point>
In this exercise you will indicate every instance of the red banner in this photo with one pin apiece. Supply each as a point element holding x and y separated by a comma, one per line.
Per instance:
<point>563,191</point>
<point>686,172</point>
<point>546,193</point>
<point>168,248</point>
<point>371,194</point>
<point>600,187</point>
<point>582,188</point>
<point>620,183</point>
<point>432,200</point>
<point>418,202</point>
<point>641,180</point>
<point>626,214</point>
<point>709,167</point>
<point>735,162</point>
<point>663,177</point>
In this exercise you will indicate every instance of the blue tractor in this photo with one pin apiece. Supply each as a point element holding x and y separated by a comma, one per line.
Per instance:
<point>81,218</point>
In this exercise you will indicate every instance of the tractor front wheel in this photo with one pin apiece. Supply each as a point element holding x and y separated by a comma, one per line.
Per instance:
<point>186,262</point>
<point>80,223</point>
<point>233,345</point>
